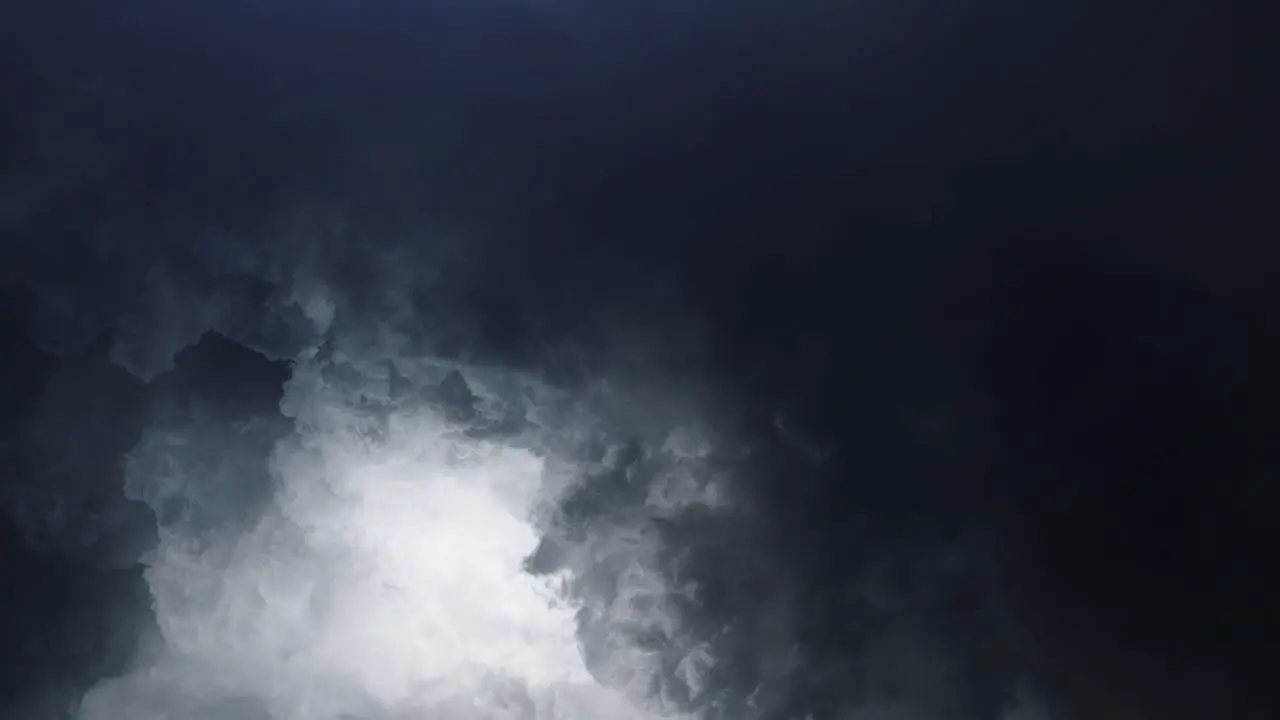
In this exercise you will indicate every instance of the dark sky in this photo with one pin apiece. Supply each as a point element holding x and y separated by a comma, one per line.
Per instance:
<point>932,343</point>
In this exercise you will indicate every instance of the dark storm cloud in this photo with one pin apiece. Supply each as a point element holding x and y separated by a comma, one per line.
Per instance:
<point>495,362</point>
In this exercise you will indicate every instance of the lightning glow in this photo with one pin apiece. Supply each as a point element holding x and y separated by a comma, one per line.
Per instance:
<point>385,579</point>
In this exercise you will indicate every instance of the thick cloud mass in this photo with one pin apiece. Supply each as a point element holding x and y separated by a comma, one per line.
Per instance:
<point>378,523</point>
<point>377,569</point>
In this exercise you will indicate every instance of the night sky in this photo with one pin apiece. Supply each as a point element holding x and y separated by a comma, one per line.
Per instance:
<point>637,360</point>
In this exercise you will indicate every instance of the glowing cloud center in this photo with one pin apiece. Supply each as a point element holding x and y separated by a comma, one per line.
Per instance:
<point>386,580</point>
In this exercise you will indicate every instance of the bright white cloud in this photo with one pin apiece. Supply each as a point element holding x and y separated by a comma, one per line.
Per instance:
<point>386,579</point>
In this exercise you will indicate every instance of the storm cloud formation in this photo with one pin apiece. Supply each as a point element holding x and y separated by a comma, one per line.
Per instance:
<point>557,361</point>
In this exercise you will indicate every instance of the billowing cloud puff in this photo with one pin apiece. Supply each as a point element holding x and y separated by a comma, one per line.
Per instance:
<point>379,568</point>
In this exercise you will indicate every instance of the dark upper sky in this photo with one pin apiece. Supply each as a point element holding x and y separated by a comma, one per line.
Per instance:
<point>1011,262</point>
